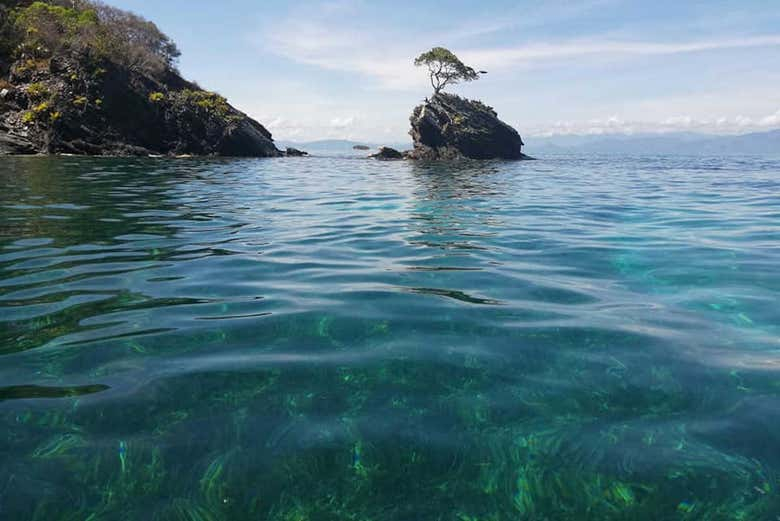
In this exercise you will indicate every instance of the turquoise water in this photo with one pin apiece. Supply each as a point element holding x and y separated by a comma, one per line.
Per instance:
<point>334,338</point>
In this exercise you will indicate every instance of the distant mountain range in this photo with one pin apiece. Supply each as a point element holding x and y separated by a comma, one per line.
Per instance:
<point>759,143</point>
<point>680,143</point>
<point>339,146</point>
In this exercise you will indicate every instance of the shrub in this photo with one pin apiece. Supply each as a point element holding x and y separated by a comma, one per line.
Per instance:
<point>87,28</point>
<point>132,41</point>
<point>39,112</point>
<point>42,107</point>
<point>80,101</point>
<point>8,33</point>
<point>47,30</point>
<point>156,97</point>
<point>205,101</point>
<point>37,90</point>
<point>33,65</point>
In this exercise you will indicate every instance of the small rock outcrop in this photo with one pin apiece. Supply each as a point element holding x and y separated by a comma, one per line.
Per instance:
<point>361,147</point>
<point>294,152</point>
<point>451,127</point>
<point>387,154</point>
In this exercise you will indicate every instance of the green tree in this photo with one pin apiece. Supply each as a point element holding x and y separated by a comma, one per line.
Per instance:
<point>134,42</point>
<point>445,68</point>
<point>48,29</point>
<point>84,29</point>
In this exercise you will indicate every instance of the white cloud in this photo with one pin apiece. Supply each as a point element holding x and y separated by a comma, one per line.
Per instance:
<point>685,123</point>
<point>535,53</point>
<point>773,120</point>
<point>309,43</point>
<point>342,123</point>
<point>323,40</point>
<point>311,127</point>
<point>343,37</point>
<point>537,14</point>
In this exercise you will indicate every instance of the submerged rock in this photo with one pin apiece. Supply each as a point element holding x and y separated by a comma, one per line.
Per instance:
<point>451,127</point>
<point>387,153</point>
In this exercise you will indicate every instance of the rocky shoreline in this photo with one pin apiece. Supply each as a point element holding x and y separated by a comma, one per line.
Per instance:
<point>84,78</point>
<point>68,92</point>
<point>72,107</point>
<point>118,113</point>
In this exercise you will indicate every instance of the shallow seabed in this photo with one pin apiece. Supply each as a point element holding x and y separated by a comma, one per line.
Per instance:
<point>339,339</point>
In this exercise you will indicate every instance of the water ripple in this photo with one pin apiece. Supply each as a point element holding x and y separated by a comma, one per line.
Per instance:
<point>464,341</point>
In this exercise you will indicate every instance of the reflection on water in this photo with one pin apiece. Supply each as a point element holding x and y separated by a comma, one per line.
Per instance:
<point>572,338</point>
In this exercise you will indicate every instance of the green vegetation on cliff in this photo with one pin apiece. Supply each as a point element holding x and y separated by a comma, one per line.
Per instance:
<point>79,76</point>
<point>86,30</point>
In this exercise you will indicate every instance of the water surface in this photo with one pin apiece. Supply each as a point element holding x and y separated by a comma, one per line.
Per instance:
<point>334,338</point>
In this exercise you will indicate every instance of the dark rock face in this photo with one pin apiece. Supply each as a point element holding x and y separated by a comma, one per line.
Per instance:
<point>14,144</point>
<point>103,109</point>
<point>387,153</point>
<point>451,127</point>
<point>294,152</point>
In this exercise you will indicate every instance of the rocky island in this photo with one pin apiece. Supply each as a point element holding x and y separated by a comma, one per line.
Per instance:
<point>448,127</point>
<point>451,127</point>
<point>80,77</point>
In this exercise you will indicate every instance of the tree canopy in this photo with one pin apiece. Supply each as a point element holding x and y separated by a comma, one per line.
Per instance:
<point>41,30</point>
<point>445,68</point>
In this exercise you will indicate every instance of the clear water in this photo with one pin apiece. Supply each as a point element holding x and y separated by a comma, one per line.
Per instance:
<point>329,339</point>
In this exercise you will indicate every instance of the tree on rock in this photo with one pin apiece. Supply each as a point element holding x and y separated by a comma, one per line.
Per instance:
<point>445,68</point>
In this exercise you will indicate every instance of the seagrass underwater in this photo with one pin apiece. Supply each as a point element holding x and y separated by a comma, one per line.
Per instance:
<point>573,338</point>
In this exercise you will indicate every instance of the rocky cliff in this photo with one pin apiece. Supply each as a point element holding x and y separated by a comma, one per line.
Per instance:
<point>451,127</point>
<point>74,94</point>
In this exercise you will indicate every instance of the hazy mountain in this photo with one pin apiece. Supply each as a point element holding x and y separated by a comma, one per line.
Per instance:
<point>759,143</point>
<point>680,143</point>
<point>339,146</point>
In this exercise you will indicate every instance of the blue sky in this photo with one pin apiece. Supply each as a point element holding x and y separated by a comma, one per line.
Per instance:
<point>343,68</point>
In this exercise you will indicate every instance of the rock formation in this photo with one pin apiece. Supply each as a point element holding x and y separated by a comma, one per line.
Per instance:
<point>294,152</point>
<point>451,127</point>
<point>74,96</point>
<point>387,153</point>
<point>70,108</point>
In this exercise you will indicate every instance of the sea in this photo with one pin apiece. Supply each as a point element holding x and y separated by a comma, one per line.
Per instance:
<point>335,338</point>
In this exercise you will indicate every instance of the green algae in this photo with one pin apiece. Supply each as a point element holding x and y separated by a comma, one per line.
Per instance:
<point>59,446</point>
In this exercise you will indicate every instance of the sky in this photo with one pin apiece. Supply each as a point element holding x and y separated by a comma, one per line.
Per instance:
<point>343,69</point>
